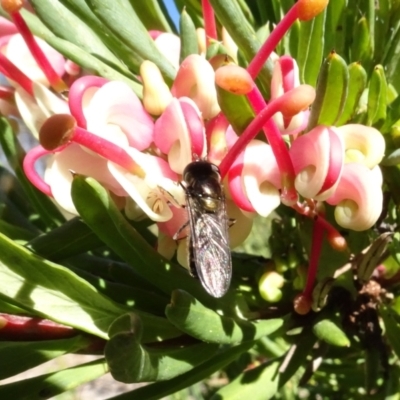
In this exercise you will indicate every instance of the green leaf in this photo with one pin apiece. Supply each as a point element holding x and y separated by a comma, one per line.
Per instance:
<point>79,56</point>
<point>391,321</point>
<point>65,25</point>
<point>73,237</point>
<point>135,298</point>
<point>121,19</point>
<point>333,25</point>
<point>99,211</point>
<point>48,212</point>
<point>263,382</point>
<point>236,108</point>
<point>361,49</point>
<point>329,331</point>
<point>357,85</point>
<point>190,316</point>
<point>159,390</point>
<point>331,92</point>
<point>84,13</point>
<point>15,232</point>
<point>16,357</point>
<point>381,28</point>
<point>232,18</point>
<point>151,15</point>
<point>188,36</point>
<point>51,291</point>
<point>130,362</point>
<point>392,58</point>
<point>311,46</point>
<point>49,385</point>
<point>377,97</point>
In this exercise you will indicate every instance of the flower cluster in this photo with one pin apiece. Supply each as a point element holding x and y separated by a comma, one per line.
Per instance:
<point>138,148</point>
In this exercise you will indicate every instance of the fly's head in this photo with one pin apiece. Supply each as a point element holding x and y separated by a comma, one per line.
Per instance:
<point>203,181</point>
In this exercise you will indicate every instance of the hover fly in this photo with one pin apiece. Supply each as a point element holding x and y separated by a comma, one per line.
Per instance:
<point>209,253</point>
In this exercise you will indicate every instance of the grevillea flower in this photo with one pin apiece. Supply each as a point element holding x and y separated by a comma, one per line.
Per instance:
<point>138,148</point>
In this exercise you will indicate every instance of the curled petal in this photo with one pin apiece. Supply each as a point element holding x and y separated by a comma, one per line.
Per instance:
<point>179,132</point>
<point>35,110</point>
<point>7,27</point>
<point>48,102</point>
<point>318,161</point>
<point>236,189</point>
<point>30,112</point>
<point>116,113</point>
<point>195,79</point>
<point>285,77</point>
<point>358,197</point>
<point>229,44</point>
<point>170,46</point>
<point>148,192</point>
<point>18,53</point>
<point>240,224</point>
<point>363,144</point>
<point>216,132</point>
<point>261,177</point>
<point>166,246</point>
<point>80,93</point>
<point>58,174</point>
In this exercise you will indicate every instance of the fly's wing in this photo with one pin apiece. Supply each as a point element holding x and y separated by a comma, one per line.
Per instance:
<point>210,247</point>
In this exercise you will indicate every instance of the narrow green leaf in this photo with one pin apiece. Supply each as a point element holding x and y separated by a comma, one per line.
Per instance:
<point>260,383</point>
<point>52,384</point>
<point>15,232</point>
<point>294,38</point>
<point>392,384</point>
<point>188,36</point>
<point>15,155</point>
<point>392,58</point>
<point>232,18</point>
<point>236,108</point>
<point>131,362</point>
<point>329,331</point>
<point>79,56</point>
<point>82,11</point>
<point>263,382</point>
<point>121,19</point>
<point>151,15</point>
<point>361,49</point>
<point>333,24</point>
<point>65,25</point>
<point>377,97</point>
<point>16,357</point>
<point>392,327</point>
<point>372,369</point>
<point>331,92</point>
<point>357,85</point>
<point>310,51</point>
<point>392,179</point>
<point>159,390</point>
<point>381,29</point>
<point>51,291</point>
<point>190,316</point>
<point>135,298</point>
<point>73,237</point>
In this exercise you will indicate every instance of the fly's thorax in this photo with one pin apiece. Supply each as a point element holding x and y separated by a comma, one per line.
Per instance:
<point>203,182</point>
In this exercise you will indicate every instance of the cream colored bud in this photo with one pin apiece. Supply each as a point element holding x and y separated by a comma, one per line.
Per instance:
<point>156,93</point>
<point>201,40</point>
